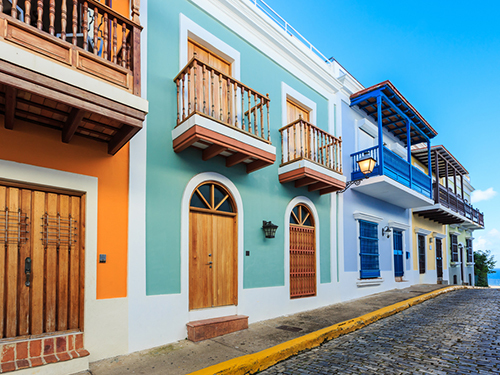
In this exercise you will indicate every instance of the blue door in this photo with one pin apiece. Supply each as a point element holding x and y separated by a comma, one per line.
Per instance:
<point>398,253</point>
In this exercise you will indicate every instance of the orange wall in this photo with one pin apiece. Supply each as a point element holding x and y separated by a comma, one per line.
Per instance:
<point>40,146</point>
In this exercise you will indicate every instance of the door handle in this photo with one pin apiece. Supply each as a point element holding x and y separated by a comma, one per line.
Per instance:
<point>27,270</point>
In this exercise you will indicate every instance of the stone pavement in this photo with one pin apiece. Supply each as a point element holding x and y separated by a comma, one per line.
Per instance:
<point>184,356</point>
<point>457,332</point>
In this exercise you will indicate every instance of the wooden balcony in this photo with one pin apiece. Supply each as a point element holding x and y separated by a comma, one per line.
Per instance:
<point>221,116</point>
<point>311,157</point>
<point>72,65</point>
<point>450,205</point>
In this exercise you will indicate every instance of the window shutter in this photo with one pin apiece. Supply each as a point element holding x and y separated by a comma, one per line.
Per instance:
<point>454,248</point>
<point>421,253</point>
<point>369,255</point>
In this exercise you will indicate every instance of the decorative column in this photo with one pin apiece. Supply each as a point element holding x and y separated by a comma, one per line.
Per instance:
<point>408,148</point>
<point>429,169</point>
<point>380,135</point>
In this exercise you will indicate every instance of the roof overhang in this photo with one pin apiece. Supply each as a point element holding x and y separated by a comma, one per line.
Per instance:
<point>396,112</point>
<point>444,157</point>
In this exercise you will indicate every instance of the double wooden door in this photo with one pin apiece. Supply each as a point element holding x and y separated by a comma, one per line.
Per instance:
<point>213,248</point>
<point>41,261</point>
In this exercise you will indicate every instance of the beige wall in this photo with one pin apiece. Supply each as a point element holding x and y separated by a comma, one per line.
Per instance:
<point>420,222</point>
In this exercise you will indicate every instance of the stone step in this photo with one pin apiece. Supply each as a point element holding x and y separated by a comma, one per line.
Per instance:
<point>209,328</point>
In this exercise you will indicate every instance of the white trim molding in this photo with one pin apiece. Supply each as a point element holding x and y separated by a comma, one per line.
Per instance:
<point>455,233</point>
<point>438,235</point>
<point>367,217</point>
<point>423,232</point>
<point>186,198</point>
<point>296,97</point>
<point>369,282</point>
<point>190,29</point>
<point>397,225</point>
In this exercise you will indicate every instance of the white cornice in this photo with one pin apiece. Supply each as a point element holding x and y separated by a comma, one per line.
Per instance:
<point>397,225</point>
<point>422,231</point>
<point>367,217</point>
<point>244,19</point>
<point>438,235</point>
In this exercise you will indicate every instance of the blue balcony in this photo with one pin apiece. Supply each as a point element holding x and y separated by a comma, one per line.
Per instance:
<point>393,179</point>
<point>395,167</point>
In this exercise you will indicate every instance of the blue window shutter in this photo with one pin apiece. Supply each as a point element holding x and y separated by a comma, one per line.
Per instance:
<point>369,256</point>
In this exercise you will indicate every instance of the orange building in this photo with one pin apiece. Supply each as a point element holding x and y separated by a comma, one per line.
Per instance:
<point>70,94</point>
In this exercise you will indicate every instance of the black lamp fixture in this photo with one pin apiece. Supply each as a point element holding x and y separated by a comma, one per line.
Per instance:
<point>366,165</point>
<point>269,229</point>
<point>386,231</point>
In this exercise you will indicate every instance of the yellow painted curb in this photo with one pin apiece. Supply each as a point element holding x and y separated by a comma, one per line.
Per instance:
<point>252,363</point>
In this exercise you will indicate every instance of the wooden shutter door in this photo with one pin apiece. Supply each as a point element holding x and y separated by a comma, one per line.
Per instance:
<point>220,91</point>
<point>302,253</point>
<point>41,265</point>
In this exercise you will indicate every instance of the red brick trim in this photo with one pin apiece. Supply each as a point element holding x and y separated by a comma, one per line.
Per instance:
<point>34,352</point>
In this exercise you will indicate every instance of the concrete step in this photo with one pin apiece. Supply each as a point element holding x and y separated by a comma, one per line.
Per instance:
<point>209,328</point>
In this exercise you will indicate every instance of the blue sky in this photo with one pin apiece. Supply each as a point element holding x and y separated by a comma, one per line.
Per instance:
<point>443,56</point>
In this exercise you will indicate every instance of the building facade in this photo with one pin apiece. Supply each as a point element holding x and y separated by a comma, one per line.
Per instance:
<point>70,77</point>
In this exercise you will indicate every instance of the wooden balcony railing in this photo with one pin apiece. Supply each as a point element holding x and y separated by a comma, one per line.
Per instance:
<point>454,202</point>
<point>302,140</point>
<point>204,90</point>
<point>112,39</point>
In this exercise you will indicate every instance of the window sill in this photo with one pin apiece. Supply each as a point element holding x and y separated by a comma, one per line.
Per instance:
<point>369,282</point>
<point>455,264</point>
<point>470,264</point>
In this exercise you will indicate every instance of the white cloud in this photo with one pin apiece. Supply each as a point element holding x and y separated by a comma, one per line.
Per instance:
<point>488,241</point>
<point>480,195</point>
<point>494,233</point>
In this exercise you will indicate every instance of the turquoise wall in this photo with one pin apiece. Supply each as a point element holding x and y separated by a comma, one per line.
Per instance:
<point>168,173</point>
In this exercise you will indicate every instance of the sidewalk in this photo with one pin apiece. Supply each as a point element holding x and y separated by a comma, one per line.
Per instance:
<point>185,356</point>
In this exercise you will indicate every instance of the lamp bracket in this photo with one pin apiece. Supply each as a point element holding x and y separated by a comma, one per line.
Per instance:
<point>350,183</point>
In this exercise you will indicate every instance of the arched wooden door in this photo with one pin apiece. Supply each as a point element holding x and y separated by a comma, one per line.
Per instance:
<point>213,256</point>
<point>302,253</point>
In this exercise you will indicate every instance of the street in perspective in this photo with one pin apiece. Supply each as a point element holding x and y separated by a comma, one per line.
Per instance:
<point>457,332</point>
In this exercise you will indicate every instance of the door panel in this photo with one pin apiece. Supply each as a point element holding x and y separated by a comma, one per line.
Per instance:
<point>39,232</point>
<point>439,258</point>
<point>302,262</point>
<point>224,260</point>
<point>214,90</point>
<point>200,272</point>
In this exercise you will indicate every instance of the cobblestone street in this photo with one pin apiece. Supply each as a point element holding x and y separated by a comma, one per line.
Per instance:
<point>454,333</point>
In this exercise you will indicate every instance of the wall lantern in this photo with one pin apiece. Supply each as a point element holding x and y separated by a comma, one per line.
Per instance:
<point>366,165</point>
<point>386,231</point>
<point>269,229</point>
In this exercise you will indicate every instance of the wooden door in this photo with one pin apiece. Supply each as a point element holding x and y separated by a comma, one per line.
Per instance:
<point>294,112</point>
<point>41,261</point>
<point>213,257</point>
<point>439,258</point>
<point>302,253</point>
<point>214,93</point>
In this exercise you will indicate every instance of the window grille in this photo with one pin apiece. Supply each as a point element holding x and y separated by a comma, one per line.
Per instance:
<point>454,248</point>
<point>369,255</point>
<point>468,244</point>
<point>421,254</point>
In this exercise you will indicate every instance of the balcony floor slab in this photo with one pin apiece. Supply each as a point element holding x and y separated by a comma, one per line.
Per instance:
<point>388,190</point>
<point>312,175</point>
<point>215,138</point>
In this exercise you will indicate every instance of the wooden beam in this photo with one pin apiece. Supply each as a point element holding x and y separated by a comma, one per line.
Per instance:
<point>72,123</point>
<point>10,106</point>
<point>212,151</point>
<point>318,186</point>
<point>257,164</point>
<point>305,181</point>
<point>121,138</point>
<point>330,190</point>
<point>236,159</point>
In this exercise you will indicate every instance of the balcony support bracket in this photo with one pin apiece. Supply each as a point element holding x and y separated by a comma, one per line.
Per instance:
<point>10,106</point>
<point>74,119</point>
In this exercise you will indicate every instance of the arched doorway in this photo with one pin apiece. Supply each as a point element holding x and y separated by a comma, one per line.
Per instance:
<point>302,253</point>
<point>213,258</point>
